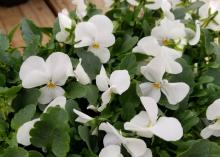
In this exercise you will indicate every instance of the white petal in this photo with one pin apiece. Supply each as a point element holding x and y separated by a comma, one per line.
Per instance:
<point>81,8</point>
<point>34,72</point>
<point>80,74</point>
<point>136,147</point>
<point>60,67</point>
<point>213,111</point>
<point>168,128</point>
<point>196,37</point>
<point>173,67</point>
<point>156,5</point>
<point>102,80</point>
<point>206,132</point>
<point>120,81</point>
<point>170,53</point>
<point>111,139</point>
<point>82,117</point>
<point>139,125</point>
<point>48,94</point>
<point>133,2</point>
<point>62,37</point>
<point>106,97</point>
<point>151,107</point>
<point>64,20</point>
<point>102,53</point>
<point>109,129</point>
<point>105,39</point>
<point>23,133</point>
<point>148,45</point>
<point>85,33</point>
<point>147,89</point>
<point>111,151</point>
<point>155,70</point>
<point>58,101</point>
<point>175,92</point>
<point>148,153</point>
<point>102,23</point>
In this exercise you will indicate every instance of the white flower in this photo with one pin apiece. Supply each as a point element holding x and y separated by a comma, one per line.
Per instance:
<point>196,35</point>
<point>97,35</point>
<point>118,83</point>
<point>133,2</point>
<point>111,151</point>
<point>82,117</point>
<point>81,8</point>
<point>154,71</point>
<point>65,23</point>
<point>53,73</point>
<point>23,133</point>
<point>213,114</point>
<point>80,74</point>
<point>167,56</point>
<point>136,147</point>
<point>147,123</point>
<point>209,14</point>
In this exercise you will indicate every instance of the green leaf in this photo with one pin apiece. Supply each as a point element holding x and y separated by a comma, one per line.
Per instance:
<point>202,148</point>
<point>90,63</point>
<point>205,79</point>
<point>188,119</point>
<point>15,152</point>
<point>5,91</point>
<point>52,132</point>
<point>4,43</point>
<point>32,48</point>
<point>23,116</point>
<point>29,31</point>
<point>77,90</point>
<point>129,63</point>
<point>128,44</point>
<point>84,135</point>
<point>34,153</point>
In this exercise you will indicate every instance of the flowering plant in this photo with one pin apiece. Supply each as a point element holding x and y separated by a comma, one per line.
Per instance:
<point>139,79</point>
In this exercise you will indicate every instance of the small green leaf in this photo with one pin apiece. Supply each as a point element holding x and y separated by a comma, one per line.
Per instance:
<point>34,153</point>
<point>15,152</point>
<point>128,44</point>
<point>4,43</point>
<point>23,116</point>
<point>84,135</point>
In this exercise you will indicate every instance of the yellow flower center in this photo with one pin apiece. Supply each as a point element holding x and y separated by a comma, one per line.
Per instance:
<point>51,85</point>
<point>166,42</point>
<point>95,45</point>
<point>157,85</point>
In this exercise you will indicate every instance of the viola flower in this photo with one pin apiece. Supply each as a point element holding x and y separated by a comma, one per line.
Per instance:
<point>147,123</point>
<point>80,74</point>
<point>167,56</point>
<point>53,73</point>
<point>209,14</point>
<point>65,23</point>
<point>212,114</point>
<point>154,71</point>
<point>82,117</point>
<point>96,33</point>
<point>23,133</point>
<point>113,140</point>
<point>81,8</point>
<point>118,83</point>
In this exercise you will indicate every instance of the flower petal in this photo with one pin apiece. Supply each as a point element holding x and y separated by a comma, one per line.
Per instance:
<point>64,20</point>
<point>23,133</point>
<point>155,70</point>
<point>197,34</point>
<point>102,53</point>
<point>81,8</point>
<point>105,39</point>
<point>151,107</point>
<point>102,80</point>
<point>48,94</point>
<point>111,151</point>
<point>80,74</point>
<point>58,101</point>
<point>175,92</point>
<point>102,23</point>
<point>119,81</point>
<point>106,97</point>
<point>147,89</point>
<point>148,45</point>
<point>136,147</point>
<point>213,111</point>
<point>168,128</point>
<point>34,72</point>
<point>206,132</point>
<point>60,67</point>
<point>156,5</point>
<point>111,139</point>
<point>82,117</point>
<point>85,33</point>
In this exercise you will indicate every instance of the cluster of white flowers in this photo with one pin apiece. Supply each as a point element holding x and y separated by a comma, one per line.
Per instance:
<point>97,35</point>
